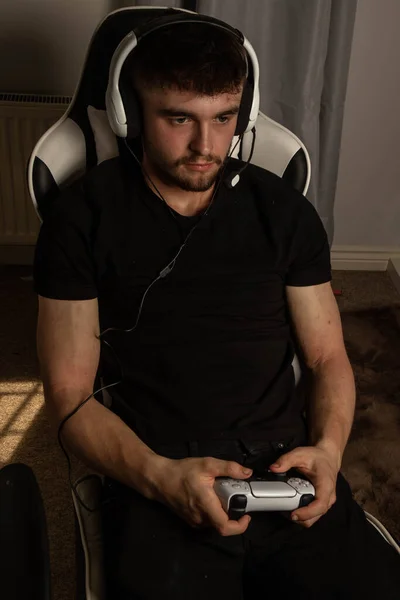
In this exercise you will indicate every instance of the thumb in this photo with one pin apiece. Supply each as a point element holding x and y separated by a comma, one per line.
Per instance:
<point>229,468</point>
<point>284,463</point>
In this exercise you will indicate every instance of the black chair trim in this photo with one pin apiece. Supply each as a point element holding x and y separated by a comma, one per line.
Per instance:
<point>44,186</point>
<point>296,171</point>
<point>23,536</point>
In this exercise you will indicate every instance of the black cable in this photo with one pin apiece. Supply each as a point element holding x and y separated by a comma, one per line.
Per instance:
<point>71,414</point>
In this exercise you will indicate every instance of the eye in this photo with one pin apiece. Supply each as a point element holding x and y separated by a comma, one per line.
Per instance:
<point>179,120</point>
<point>222,120</point>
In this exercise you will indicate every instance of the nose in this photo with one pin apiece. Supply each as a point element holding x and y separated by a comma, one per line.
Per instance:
<point>201,142</point>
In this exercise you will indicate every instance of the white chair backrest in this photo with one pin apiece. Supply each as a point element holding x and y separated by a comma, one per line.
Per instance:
<point>83,138</point>
<point>279,150</point>
<point>60,156</point>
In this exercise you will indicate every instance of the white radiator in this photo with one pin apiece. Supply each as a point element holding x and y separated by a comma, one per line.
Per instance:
<point>23,120</point>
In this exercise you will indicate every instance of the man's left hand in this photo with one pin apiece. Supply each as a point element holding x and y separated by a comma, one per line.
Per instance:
<point>319,466</point>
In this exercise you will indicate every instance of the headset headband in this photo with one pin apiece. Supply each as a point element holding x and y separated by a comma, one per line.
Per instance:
<point>125,121</point>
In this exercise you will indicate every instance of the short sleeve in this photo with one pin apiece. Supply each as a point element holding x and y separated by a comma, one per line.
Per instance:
<point>310,262</point>
<point>63,264</point>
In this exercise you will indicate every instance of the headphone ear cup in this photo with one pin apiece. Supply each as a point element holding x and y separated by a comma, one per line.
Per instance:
<point>245,108</point>
<point>133,111</point>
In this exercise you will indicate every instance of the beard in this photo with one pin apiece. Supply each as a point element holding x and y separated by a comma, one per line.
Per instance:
<point>173,173</point>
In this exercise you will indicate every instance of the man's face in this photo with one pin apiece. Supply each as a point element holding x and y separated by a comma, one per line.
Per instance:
<point>186,136</point>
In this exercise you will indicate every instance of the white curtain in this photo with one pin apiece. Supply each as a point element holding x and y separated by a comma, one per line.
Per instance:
<point>123,3</point>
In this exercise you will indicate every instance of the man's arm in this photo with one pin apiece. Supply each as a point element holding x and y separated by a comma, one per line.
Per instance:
<point>68,352</point>
<point>331,401</point>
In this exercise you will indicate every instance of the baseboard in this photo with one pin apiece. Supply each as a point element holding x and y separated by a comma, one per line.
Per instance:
<point>394,272</point>
<point>16,254</point>
<point>347,258</point>
<point>363,258</point>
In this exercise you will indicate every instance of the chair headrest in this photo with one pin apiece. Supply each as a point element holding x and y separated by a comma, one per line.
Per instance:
<point>83,138</point>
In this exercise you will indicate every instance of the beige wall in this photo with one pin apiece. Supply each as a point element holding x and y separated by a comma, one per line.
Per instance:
<point>367,208</point>
<point>39,54</point>
<point>43,42</point>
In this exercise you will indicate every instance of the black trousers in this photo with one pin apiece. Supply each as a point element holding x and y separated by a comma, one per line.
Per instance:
<point>151,554</point>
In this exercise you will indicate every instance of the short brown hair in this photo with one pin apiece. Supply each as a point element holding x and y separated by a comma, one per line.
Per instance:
<point>193,57</point>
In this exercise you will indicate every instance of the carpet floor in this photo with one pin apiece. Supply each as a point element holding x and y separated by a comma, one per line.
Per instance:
<point>370,309</point>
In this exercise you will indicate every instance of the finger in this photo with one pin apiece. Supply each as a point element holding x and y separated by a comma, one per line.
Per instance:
<point>315,509</point>
<point>225,468</point>
<point>219,519</point>
<point>309,523</point>
<point>332,500</point>
<point>293,459</point>
<point>235,527</point>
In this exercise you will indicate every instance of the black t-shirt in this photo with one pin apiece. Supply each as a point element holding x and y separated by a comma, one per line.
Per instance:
<point>211,355</point>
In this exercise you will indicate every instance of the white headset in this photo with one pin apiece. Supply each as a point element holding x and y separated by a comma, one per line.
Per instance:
<point>118,114</point>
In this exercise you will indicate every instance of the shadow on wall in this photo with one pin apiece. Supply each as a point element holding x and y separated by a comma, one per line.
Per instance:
<point>43,43</point>
<point>27,64</point>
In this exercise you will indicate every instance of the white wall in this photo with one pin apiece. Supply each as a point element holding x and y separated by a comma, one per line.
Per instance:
<point>43,43</point>
<point>367,208</point>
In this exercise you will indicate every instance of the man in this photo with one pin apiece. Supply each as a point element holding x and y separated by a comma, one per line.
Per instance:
<point>194,287</point>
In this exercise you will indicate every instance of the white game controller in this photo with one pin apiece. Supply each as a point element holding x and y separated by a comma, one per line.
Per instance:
<point>270,492</point>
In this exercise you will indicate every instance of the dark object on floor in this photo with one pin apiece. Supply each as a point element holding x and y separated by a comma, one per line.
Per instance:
<point>372,457</point>
<point>25,564</point>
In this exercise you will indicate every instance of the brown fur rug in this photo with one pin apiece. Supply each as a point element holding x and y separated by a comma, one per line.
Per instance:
<point>372,457</point>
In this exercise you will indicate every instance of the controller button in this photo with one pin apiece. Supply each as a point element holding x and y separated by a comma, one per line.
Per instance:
<point>236,485</point>
<point>239,501</point>
<point>306,500</point>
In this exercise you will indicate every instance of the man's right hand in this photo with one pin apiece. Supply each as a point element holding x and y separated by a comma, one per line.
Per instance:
<point>186,486</point>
